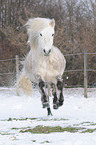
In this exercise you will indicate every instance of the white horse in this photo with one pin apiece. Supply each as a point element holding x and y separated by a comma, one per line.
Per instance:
<point>45,64</point>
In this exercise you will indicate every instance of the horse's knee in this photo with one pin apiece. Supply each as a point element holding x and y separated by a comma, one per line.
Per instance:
<point>61,99</point>
<point>55,98</point>
<point>59,85</point>
<point>41,84</point>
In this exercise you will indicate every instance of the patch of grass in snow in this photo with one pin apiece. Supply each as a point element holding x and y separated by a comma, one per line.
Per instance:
<point>21,119</point>
<point>62,119</point>
<point>85,124</point>
<point>93,124</point>
<point>12,119</point>
<point>33,140</point>
<point>45,142</point>
<point>5,133</point>
<point>89,131</point>
<point>42,142</point>
<point>48,129</point>
<point>15,128</point>
<point>37,119</point>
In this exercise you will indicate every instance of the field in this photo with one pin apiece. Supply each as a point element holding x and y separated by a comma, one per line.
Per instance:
<point>24,122</point>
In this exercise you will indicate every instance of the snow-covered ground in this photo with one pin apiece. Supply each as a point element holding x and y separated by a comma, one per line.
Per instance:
<point>23,112</point>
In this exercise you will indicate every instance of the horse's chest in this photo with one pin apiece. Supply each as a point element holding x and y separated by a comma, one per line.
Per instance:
<point>46,66</point>
<point>47,69</point>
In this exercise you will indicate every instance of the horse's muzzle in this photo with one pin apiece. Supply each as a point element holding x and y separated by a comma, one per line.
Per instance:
<point>46,53</point>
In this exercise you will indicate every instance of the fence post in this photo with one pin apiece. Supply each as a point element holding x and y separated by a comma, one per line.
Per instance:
<point>85,73</point>
<point>17,66</point>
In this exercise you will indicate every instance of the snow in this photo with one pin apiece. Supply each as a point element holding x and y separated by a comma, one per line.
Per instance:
<point>77,111</point>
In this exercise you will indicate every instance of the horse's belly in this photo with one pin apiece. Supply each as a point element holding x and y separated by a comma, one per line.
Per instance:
<point>49,77</point>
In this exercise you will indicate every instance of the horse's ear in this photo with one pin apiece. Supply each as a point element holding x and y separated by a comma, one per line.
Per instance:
<point>52,23</point>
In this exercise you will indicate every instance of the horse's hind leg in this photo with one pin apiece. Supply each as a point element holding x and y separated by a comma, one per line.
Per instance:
<point>44,98</point>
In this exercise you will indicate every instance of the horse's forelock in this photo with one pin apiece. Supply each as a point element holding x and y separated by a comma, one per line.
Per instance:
<point>33,40</point>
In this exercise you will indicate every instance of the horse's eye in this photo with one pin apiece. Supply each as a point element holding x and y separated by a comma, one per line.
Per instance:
<point>52,34</point>
<point>40,34</point>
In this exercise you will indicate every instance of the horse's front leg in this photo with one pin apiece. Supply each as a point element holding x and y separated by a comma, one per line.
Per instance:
<point>44,97</point>
<point>55,99</point>
<point>57,92</point>
<point>60,89</point>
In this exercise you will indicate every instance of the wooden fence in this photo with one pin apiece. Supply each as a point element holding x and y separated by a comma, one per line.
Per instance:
<point>85,68</point>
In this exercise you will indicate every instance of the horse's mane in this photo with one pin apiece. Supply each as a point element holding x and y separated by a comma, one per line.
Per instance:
<point>35,26</point>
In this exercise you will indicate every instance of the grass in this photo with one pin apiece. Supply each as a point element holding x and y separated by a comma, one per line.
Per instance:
<point>40,129</point>
<point>42,142</point>
<point>37,119</point>
<point>6,133</point>
<point>62,119</point>
<point>45,142</point>
<point>48,129</point>
<point>21,119</point>
<point>89,131</point>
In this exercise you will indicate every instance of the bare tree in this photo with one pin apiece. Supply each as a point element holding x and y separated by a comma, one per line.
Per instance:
<point>75,29</point>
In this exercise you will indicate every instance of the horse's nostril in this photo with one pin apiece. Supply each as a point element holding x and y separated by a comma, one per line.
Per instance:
<point>44,51</point>
<point>49,50</point>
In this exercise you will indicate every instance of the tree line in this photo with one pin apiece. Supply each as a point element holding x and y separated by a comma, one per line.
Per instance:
<point>75,31</point>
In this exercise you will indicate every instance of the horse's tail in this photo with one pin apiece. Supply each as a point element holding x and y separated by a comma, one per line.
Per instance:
<point>24,83</point>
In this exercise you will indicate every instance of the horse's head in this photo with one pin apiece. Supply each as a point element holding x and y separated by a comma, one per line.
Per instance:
<point>41,34</point>
<point>46,38</point>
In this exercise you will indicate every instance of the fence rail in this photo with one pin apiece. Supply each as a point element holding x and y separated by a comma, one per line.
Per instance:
<point>81,70</point>
<point>11,59</point>
<point>8,73</point>
<point>64,55</point>
<point>85,69</point>
<point>78,70</point>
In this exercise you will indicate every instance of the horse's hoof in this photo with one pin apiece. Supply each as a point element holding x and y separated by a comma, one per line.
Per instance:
<point>60,103</point>
<point>45,105</point>
<point>55,106</point>
<point>49,112</point>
